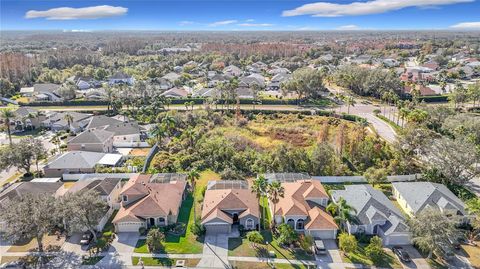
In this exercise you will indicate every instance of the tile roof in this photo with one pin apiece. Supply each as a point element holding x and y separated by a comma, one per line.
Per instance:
<point>159,199</point>
<point>217,200</point>
<point>296,195</point>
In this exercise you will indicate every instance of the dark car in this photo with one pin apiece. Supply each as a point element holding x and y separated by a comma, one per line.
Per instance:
<point>86,238</point>
<point>402,254</point>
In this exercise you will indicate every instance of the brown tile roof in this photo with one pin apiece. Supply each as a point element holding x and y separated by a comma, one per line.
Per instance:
<point>296,202</point>
<point>160,199</point>
<point>226,199</point>
<point>320,220</point>
<point>296,193</point>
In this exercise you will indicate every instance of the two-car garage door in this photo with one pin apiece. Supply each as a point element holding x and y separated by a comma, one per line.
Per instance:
<point>322,234</point>
<point>128,226</point>
<point>220,228</point>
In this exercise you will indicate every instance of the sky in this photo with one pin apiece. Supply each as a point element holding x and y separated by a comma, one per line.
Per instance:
<point>240,15</point>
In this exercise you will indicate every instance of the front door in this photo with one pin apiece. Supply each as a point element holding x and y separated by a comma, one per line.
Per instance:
<point>235,218</point>
<point>151,222</point>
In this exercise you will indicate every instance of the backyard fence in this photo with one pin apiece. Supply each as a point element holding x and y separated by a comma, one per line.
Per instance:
<point>75,177</point>
<point>361,179</point>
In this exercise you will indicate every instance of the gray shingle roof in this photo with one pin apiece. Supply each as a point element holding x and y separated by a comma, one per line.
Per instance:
<point>100,121</point>
<point>17,190</point>
<point>96,136</point>
<point>372,205</point>
<point>420,194</point>
<point>76,160</point>
<point>104,186</point>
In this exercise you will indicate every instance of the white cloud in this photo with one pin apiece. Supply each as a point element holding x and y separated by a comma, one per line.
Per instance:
<point>327,9</point>
<point>467,25</point>
<point>250,20</point>
<point>349,27</point>
<point>183,23</point>
<point>69,13</point>
<point>220,23</point>
<point>255,24</point>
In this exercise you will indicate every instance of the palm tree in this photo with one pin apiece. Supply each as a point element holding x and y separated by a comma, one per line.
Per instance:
<point>7,115</point>
<point>275,190</point>
<point>192,177</point>
<point>342,212</point>
<point>169,123</point>
<point>259,187</point>
<point>69,119</point>
<point>158,131</point>
<point>350,101</point>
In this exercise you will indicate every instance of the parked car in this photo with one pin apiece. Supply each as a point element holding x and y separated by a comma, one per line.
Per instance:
<point>13,265</point>
<point>86,238</point>
<point>319,247</point>
<point>401,254</point>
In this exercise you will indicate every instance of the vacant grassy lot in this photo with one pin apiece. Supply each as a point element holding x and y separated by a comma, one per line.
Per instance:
<point>242,248</point>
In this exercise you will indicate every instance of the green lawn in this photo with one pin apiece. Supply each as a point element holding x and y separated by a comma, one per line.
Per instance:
<point>267,219</point>
<point>388,260</point>
<point>184,244</point>
<point>149,261</point>
<point>242,248</point>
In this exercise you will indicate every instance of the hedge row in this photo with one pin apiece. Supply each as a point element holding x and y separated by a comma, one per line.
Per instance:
<point>180,101</point>
<point>430,99</point>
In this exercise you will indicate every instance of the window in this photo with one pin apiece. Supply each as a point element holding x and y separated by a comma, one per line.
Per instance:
<point>300,224</point>
<point>249,224</point>
<point>161,221</point>
<point>125,198</point>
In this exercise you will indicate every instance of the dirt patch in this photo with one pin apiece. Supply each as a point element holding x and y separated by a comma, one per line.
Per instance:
<point>297,137</point>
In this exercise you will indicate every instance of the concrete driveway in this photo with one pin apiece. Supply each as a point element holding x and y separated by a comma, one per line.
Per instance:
<point>120,252</point>
<point>215,252</point>
<point>417,260</point>
<point>72,244</point>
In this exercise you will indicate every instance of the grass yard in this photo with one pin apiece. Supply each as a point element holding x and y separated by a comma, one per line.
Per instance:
<point>264,265</point>
<point>185,244</point>
<point>139,152</point>
<point>49,242</point>
<point>149,261</point>
<point>388,260</point>
<point>242,248</point>
<point>92,260</point>
<point>109,227</point>
<point>267,219</point>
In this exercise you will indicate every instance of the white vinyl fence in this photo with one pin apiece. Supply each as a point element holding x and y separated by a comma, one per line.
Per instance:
<point>75,177</point>
<point>361,179</point>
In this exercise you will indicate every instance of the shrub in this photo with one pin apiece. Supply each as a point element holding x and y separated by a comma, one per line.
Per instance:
<point>286,234</point>
<point>154,239</point>
<point>347,243</point>
<point>306,242</point>
<point>374,250</point>
<point>255,238</point>
<point>197,228</point>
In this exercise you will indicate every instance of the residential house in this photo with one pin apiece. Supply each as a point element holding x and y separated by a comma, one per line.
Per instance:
<point>303,208</point>
<point>207,93</point>
<point>279,70</point>
<point>85,83</point>
<point>171,77</point>
<point>58,121</point>
<point>95,94</point>
<point>108,188</point>
<point>121,78</point>
<point>228,203</point>
<point>175,93</point>
<point>150,200</point>
<point>19,189</point>
<point>276,80</point>
<point>126,134</point>
<point>96,140</point>
<point>46,92</point>
<point>80,162</point>
<point>422,90</point>
<point>232,71</point>
<point>244,93</point>
<point>27,118</point>
<point>252,79</point>
<point>413,197</point>
<point>374,214</point>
